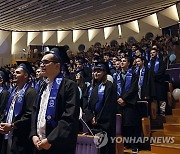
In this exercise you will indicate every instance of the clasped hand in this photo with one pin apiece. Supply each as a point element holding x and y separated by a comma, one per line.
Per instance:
<point>5,128</point>
<point>41,144</point>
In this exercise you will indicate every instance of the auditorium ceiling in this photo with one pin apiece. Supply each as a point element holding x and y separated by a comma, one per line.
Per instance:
<point>39,15</point>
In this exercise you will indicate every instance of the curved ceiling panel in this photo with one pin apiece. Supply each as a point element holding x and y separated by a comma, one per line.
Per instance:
<point>39,15</point>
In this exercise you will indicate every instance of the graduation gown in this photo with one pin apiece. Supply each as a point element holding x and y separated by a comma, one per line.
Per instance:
<point>157,81</point>
<point>4,96</point>
<point>130,116</point>
<point>106,117</point>
<point>20,139</point>
<point>145,85</point>
<point>62,137</point>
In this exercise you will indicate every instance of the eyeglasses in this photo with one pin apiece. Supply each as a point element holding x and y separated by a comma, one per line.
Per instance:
<point>45,62</point>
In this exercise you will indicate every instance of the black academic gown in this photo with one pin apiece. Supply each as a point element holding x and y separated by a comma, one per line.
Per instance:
<point>145,85</point>
<point>130,116</point>
<point>157,81</point>
<point>21,144</point>
<point>62,137</point>
<point>4,96</point>
<point>106,118</point>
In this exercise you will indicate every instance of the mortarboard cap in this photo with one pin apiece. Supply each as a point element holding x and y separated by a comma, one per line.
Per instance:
<point>60,53</point>
<point>26,66</point>
<point>102,66</point>
<point>4,74</point>
<point>81,72</point>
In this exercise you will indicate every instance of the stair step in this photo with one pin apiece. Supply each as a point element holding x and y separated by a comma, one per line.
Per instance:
<point>165,148</point>
<point>176,112</point>
<point>157,123</point>
<point>160,133</point>
<point>177,106</point>
<point>172,119</point>
<point>157,133</point>
<point>172,129</point>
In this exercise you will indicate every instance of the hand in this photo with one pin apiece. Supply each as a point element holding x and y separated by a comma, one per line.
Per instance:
<point>36,142</point>
<point>93,121</point>
<point>121,102</point>
<point>44,144</point>
<point>5,128</point>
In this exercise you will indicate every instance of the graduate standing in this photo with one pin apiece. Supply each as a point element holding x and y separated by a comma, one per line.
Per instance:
<point>16,121</point>
<point>127,90</point>
<point>100,106</point>
<point>157,80</point>
<point>4,96</point>
<point>55,114</point>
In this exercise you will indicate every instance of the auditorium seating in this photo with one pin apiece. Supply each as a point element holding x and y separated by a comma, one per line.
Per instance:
<point>85,145</point>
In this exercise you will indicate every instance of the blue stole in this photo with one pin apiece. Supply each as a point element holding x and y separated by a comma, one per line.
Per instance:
<point>141,77</point>
<point>19,100</point>
<point>136,69</point>
<point>51,107</point>
<point>37,85</point>
<point>99,103</point>
<point>110,65</point>
<point>115,75</point>
<point>1,89</point>
<point>127,82</point>
<point>156,66</point>
<point>11,87</point>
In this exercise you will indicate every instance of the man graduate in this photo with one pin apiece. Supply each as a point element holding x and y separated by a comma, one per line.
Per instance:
<point>55,114</point>
<point>17,118</point>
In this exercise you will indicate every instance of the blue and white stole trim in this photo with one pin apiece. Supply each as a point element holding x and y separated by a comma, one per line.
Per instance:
<point>141,77</point>
<point>19,100</point>
<point>156,66</point>
<point>99,103</point>
<point>51,107</point>
<point>128,80</point>
<point>37,85</point>
<point>2,88</point>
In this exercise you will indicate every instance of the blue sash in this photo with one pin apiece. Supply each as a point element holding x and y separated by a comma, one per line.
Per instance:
<point>99,103</point>
<point>1,89</point>
<point>119,88</point>
<point>141,77</point>
<point>11,89</point>
<point>89,95</point>
<point>156,66</point>
<point>127,82</point>
<point>51,107</point>
<point>19,100</point>
<point>37,85</point>
<point>128,79</point>
<point>136,69</point>
<point>110,65</point>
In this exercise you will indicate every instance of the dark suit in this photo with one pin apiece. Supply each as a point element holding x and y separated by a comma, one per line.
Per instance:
<point>20,140</point>
<point>63,136</point>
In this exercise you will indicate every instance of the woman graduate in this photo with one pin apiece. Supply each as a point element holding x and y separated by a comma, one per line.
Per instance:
<point>99,106</point>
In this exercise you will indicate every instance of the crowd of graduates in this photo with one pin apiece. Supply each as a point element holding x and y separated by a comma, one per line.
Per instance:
<point>40,102</point>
